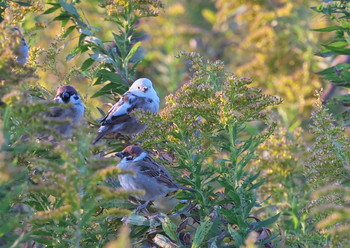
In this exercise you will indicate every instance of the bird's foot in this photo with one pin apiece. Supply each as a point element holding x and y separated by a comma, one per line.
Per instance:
<point>142,207</point>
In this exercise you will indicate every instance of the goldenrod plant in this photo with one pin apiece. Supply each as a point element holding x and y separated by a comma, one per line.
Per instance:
<point>212,125</point>
<point>261,179</point>
<point>269,41</point>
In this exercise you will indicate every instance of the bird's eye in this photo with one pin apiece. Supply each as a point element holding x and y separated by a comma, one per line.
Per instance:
<point>76,97</point>
<point>139,87</point>
<point>129,158</point>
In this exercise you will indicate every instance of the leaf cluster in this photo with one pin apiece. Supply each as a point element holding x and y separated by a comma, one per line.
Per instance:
<point>213,125</point>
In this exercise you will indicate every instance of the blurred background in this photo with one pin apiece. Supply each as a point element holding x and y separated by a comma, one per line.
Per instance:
<point>270,41</point>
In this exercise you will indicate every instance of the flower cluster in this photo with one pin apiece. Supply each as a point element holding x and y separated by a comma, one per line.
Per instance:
<point>139,8</point>
<point>209,102</point>
<point>329,160</point>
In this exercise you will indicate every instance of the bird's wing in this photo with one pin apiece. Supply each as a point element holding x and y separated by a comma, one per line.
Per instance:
<point>59,113</point>
<point>55,112</point>
<point>157,172</point>
<point>120,111</point>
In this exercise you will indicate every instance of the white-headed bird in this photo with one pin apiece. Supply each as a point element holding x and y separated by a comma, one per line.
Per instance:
<point>141,95</point>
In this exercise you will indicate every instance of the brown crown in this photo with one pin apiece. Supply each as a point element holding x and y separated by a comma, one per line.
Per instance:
<point>133,151</point>
<point>66,88</point>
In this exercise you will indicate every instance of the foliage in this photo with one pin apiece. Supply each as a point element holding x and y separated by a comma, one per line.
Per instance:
<point>330,158</point>
<point>119,59</point>
<point>213,125</point>
<point>238,147</point>
<point>328,169</point>
<point>338,75</point>
<point>52,188</point>
<point>328,173</point>
<point>269,41</point>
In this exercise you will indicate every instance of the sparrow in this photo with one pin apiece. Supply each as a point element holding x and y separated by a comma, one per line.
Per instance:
<point>70,116</point>
<point>22,49</point>
<point>149,175</point>
<point>140,95</point>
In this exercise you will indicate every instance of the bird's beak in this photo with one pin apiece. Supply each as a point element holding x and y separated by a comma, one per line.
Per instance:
<point>119,155</point>
<point>144,89</point>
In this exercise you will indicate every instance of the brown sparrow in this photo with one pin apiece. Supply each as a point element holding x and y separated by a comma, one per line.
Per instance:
<point>149,175</point>
<point>69,117</point>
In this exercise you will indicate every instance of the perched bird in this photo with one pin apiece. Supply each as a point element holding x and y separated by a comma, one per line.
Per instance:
<point>149,176</point>
<point>22,49</point>
<point>70,116</point>
<point>140,95</point>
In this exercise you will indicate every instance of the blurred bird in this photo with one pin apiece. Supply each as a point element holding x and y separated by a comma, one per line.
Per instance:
<point>70,116</point>
<point>140,95</point>
<point>22,50</point>
<point>149,176</point>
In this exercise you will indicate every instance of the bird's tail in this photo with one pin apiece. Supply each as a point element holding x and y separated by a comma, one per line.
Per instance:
<point>98,137</point>
<point>187,188</point>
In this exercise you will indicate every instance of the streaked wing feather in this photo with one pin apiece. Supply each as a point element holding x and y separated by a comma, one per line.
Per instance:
<point>157,172</point>
<point>119,113</point>
<point>119,109</point>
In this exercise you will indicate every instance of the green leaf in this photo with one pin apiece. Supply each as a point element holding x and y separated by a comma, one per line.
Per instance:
<point>76,50</point>
<point>257,185</point>
<point>9,225</point>
<point>164,242</point>
<point>101,111</point>
<point>94,40</point>
<point>63,16</point>
<point>345,100</point>
<point>51,10</point>
<point>339,75</point>
<point>69,8</point>
<point>347,36</point>
<point>133,51</point>
<point>248,208</point>
<point>202,232</point>
<point>98,81</point>
<point>328,29</point>
<point>221,160</point>
<point>239,241</point>
<point>265,223</point>
<point>69,30</point>
<point>107,75</point>
<point>109,88</point>
<point>169,227</point>
<point>234,218</point>
<point>85,31</point>
<point>338,43</point>
<point>325,54</point>
<point>236,198</point>
<point>345,23</point>
<point>87,63</point>
<point>253,177</point>
<point>338,50</point>
<point>137,220</point>
<point>43,241</point>
<point>24,4</point>
<point>98,56</point>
